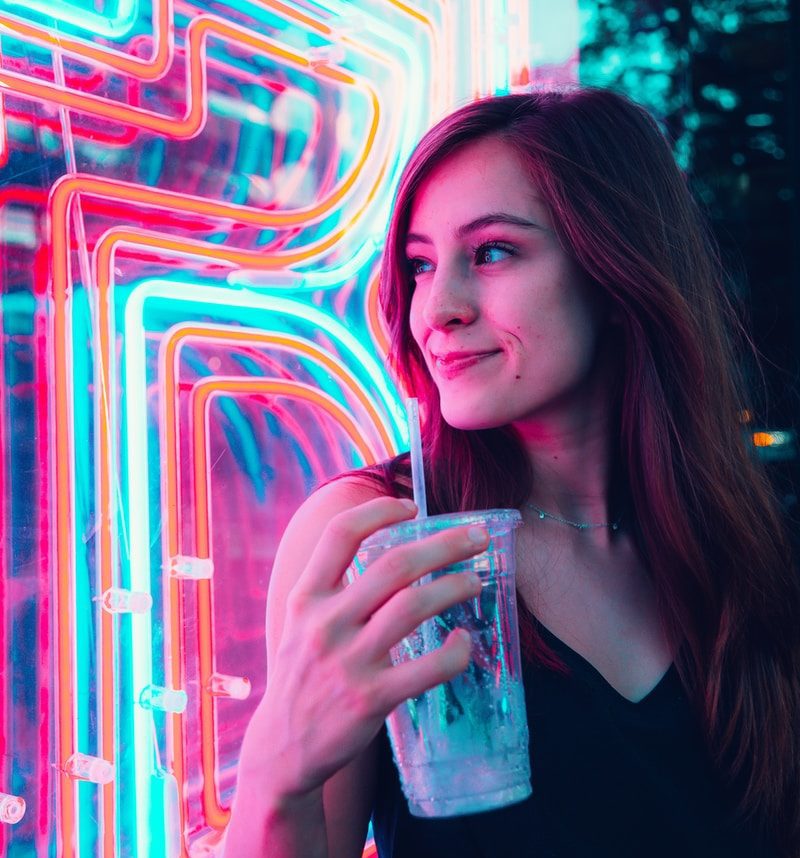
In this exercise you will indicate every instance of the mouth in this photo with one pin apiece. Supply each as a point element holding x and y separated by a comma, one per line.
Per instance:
<point>449,367</point>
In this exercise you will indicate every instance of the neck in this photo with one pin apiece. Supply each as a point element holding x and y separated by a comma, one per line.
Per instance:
<point>570,459</point>
<point>570,470</point>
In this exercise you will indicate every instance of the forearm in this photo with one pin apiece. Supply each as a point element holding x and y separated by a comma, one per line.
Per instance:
<point>266,827</point>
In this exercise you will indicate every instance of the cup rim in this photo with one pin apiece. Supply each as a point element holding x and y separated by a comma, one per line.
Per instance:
<point>511,518</point>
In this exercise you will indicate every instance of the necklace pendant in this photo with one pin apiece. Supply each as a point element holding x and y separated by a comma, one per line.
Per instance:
<point>541,515</point>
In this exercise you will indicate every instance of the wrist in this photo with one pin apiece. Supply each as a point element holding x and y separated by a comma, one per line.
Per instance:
<point>276,792</point>
<point>275,824</point>
<point>271,762</point>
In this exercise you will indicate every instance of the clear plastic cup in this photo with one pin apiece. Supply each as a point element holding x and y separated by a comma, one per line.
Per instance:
<point>462,747</point>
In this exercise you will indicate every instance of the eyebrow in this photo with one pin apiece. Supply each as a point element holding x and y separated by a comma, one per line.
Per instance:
<point>479,223</point>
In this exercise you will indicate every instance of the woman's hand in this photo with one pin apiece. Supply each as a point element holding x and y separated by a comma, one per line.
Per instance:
<point>330,682</point>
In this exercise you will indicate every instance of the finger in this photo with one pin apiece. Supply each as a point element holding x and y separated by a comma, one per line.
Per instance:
<point>408,608</point>
<point>342,537</point>
<point>403,565</point>
<point>410,679</point>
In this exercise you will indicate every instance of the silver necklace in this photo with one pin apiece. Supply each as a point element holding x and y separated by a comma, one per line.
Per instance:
<point>578,525</point>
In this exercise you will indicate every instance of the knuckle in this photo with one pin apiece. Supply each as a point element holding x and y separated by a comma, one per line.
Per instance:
<point>382,701</point>
<point>399,566</point>
<point>306,610</point>
<point>447,591</point>
<point>363,702</point>
<point>297,601</point>
<point>391,505</point>
<point>340,527</point>
<point>451,547</point>
<point>314,627</point>
<point>319,639</point>
<point>410,606</point>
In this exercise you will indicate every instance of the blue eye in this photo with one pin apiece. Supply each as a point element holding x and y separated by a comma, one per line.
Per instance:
<point>417,267</point>
<point>491,251</point>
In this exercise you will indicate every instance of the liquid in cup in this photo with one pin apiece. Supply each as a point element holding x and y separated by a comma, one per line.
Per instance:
<point>462,747</point>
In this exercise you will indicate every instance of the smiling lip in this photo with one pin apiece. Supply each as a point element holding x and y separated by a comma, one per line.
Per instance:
<point>450,365</point>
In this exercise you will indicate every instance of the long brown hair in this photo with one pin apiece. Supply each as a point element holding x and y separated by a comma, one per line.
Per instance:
<point>701,511</point>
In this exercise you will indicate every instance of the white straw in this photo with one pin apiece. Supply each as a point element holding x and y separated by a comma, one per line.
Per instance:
<point>417,471</point>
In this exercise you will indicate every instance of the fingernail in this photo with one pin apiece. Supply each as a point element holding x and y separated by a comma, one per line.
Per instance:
<point>409,504</point>
<point>475,580</point>
<point>477,534</point>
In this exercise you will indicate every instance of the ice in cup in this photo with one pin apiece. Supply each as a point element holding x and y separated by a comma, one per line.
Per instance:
<point>462,747</point>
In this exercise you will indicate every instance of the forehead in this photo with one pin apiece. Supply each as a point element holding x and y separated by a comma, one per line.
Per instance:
<point>485,175</point>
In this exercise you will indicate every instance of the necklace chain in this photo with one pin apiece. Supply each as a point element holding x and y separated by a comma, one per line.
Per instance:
<point>578,525</point>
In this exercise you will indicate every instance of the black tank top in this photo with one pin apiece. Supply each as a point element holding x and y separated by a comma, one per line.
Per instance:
<point>610,778</point>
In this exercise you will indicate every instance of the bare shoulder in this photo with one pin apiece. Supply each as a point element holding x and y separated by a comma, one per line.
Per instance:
<point>301,537</point>
<point>341,494</point>
<point>312,516</point>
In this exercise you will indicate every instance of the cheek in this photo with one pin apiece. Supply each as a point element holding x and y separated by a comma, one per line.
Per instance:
<point>415,321</point>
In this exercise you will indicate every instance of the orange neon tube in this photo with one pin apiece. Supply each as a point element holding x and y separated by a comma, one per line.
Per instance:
<point>191,123</point>
<point>64,620</point>
<point>285,342</point>
<point>172,505</point>
<point>68,186</point>
<point>136,67</point>
<point>60,201</point>
<point>3,135</point>
<point>215,815</point>
<point>375,323</point>
<point>64,191</point>
<point>107,711</point>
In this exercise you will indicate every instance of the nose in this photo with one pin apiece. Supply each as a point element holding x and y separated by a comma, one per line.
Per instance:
<point>448,301</point>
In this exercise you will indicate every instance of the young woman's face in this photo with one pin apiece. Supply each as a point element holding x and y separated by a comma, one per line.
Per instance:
<point>506,322</point>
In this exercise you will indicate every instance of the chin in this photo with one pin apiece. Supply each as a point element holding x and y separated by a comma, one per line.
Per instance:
<point>471,420</point>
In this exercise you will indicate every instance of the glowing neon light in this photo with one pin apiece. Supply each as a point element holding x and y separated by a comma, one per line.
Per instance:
<point>86,19</point>
<point>63,193</point>
<point>145,69</point>
<point>194,118</point>
<point>93,427</point>
<point>137,453</point>
<point>60,208</point>
<point>3,135</point>
<point>215,816</point>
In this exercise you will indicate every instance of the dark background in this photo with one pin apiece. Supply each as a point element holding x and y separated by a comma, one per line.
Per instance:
<point>724,79</point>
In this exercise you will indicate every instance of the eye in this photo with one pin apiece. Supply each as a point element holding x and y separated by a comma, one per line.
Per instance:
<point>492,251</point>
<point>417,266</point>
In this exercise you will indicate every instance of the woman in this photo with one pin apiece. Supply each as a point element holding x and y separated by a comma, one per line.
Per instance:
<point>557,306</point>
